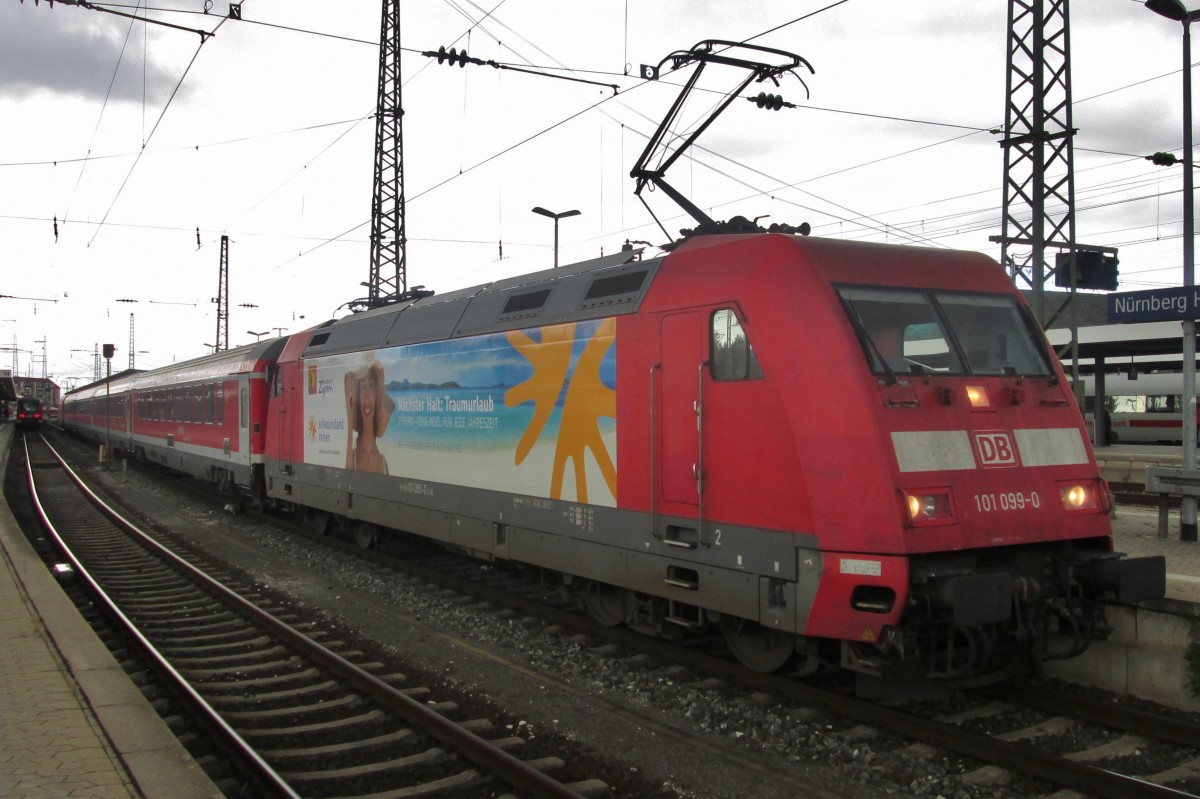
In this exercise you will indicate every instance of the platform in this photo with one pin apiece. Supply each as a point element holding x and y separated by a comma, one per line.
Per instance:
<point>73,723</point>
<point>1135,528</point>
<point>1135,532</point>
<point>1125,464</point>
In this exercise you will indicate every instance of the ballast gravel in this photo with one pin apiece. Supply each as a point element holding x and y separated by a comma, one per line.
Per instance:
<point>564,680</point>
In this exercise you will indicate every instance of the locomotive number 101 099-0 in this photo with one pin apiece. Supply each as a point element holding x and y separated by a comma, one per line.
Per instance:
<point>1010,500</point>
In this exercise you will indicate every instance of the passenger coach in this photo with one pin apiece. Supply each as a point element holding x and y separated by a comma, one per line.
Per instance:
<point>204,417</point>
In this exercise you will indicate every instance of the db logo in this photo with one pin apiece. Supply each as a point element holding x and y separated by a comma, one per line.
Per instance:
<point>994,448</point>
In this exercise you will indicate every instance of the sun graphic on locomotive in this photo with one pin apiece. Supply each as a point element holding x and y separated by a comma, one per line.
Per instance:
<point>587,400</point>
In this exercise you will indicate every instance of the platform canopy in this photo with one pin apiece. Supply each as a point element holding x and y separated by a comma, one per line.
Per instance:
<point>1100,341</point>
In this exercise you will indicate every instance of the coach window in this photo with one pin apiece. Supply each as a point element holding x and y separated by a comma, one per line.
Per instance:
<point>219,407</point>
<point>732,356</point>
<point>243,408</point>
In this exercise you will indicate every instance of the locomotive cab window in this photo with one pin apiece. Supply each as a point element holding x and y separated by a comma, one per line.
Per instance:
<point>731,355</point>
<point>996,336</point>
<point>909,330</point>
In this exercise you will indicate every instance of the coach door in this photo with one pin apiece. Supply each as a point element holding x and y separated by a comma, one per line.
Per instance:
<point>276,388</point>
<point>679,466</point>
<point>243,425</point>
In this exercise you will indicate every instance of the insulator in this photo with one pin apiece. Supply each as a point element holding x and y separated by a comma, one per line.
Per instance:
<point>1164,159</point>
<point>452,56</point>
<point>771,101</point>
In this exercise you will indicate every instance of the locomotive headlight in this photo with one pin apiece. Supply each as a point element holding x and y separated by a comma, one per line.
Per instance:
<point>1084,496</point>
<point>929,506</point>
<point>978,397</point>
<point>1075,497</point>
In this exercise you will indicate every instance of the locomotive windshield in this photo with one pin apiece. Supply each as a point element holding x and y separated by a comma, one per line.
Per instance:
<point>911,330</point>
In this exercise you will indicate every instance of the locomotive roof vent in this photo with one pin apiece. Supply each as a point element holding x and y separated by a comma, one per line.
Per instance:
<point>614,289</point>
<point>526,304</point>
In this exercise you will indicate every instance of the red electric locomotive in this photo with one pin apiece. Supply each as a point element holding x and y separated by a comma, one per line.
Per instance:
<point>861,454</point>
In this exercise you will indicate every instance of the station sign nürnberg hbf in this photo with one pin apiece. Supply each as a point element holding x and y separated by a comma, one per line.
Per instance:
<point>1157,305</point>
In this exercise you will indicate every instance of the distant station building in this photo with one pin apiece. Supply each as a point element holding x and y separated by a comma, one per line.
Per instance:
<point>43,388</point>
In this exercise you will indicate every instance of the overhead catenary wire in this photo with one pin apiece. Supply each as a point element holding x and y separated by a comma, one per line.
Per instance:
<point>157,122</point>
<point>918,121</point>
<point>100,117</point>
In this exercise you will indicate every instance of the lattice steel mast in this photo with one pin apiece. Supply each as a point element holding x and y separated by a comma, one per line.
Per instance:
<point>1039,182</point>
<point>388,281</point>
<point>222,300</point>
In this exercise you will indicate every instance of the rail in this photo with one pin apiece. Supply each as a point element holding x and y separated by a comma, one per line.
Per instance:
<point>1167,482</point>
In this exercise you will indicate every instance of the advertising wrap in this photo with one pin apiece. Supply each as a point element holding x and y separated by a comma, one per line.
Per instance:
<point>527,411</point>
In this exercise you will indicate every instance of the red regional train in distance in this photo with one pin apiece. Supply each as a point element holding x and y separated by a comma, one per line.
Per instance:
<point>29,413</point>
<point>834,453</point>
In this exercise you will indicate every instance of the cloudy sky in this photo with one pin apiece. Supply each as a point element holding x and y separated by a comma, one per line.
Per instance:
<point>133,136</point>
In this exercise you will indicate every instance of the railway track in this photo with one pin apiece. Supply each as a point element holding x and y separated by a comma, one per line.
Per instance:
<point>1114,763</point>
<point>1038,742</point>
<point>305,714</point>
<point>1106,750</point>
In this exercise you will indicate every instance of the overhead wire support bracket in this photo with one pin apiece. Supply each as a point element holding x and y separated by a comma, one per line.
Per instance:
<point>461,58</point>
<point>703,54</point>
<point>203,34</point>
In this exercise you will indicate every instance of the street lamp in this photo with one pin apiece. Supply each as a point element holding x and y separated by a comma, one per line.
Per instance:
<point>260,335</point>
<point>555,217</point>
<point>1175,10</point>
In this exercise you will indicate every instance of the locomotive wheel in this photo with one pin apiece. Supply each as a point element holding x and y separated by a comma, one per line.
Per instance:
<point>366,535</point>
<point>758,648</point>
<point>605,603</point>
<point>317,521</point>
